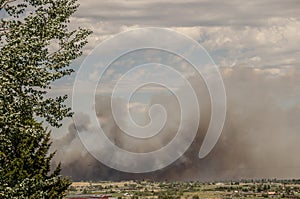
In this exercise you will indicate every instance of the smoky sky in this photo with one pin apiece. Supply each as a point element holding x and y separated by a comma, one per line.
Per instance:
<point>254,43</point>
<point>260,138</point>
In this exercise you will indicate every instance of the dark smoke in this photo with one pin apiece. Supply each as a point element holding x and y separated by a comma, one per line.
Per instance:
<point>260,138</point>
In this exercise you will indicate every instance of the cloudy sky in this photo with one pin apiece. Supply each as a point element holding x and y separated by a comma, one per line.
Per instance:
<point>254,43</point>
<point>249,33</point>
<point>262,35</point>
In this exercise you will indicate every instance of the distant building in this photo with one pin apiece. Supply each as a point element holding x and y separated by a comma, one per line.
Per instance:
<point>271,193</point>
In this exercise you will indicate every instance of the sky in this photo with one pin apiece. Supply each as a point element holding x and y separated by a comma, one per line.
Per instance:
<point>255,44</point>
<point>255,34</point>
<point>263,35</point>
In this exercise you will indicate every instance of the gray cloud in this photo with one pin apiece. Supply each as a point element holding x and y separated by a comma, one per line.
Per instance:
<point>236,33</point>
<point>188,13</point>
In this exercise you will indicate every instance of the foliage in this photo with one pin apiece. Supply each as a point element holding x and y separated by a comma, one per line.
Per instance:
<point>36,48</point>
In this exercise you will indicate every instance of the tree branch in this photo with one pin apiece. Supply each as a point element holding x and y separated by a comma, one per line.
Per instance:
<point>5,2</point>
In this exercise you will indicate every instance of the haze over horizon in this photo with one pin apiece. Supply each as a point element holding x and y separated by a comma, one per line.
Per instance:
<point>256,46</point>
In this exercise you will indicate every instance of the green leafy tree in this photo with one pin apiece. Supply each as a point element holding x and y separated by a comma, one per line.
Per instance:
<point>36,48</point>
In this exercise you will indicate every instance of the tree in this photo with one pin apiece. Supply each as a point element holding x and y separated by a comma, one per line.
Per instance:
<point>36,48</point>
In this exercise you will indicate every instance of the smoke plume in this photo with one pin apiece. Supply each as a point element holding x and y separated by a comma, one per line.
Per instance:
<point>260,138</point>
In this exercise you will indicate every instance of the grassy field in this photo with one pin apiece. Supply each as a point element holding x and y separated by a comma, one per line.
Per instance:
<point>215,190</point>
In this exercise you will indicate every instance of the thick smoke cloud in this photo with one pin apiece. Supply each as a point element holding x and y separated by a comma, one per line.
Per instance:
<point>259,140</point>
